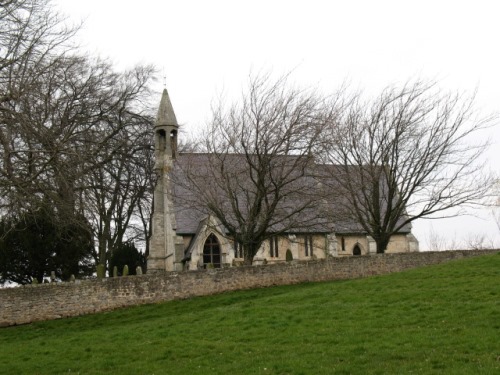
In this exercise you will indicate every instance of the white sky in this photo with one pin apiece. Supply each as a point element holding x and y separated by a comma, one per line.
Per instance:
<point>205,47</point>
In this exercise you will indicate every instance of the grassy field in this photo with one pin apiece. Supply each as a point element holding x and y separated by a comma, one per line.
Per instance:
<point>442,319</point>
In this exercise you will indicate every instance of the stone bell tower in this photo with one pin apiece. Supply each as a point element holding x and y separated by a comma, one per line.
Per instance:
<point>166,248</point>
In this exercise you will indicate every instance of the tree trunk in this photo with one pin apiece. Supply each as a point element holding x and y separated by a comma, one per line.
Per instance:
<point>249,253</point>
<point>102,250</point>
<point>247,259</point>
<point>382,244</point>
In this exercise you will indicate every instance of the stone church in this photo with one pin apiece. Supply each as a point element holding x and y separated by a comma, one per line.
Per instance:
<point>185,240</point>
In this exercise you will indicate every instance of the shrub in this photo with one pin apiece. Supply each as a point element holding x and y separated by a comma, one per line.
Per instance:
<point>127,254</point>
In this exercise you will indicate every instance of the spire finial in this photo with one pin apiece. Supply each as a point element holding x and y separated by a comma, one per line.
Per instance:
<point>164,79</point>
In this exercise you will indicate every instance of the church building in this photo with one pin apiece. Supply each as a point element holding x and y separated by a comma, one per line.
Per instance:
<point>185,239</point>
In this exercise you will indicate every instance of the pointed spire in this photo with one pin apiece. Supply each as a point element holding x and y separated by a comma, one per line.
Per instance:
<point>166,115</point>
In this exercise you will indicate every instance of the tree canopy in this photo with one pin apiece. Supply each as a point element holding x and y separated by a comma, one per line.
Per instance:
<point>74,131</point>
<point>281,154</point>
<point>258,154</point>
<point>410,153</point>
<point>36,244</point>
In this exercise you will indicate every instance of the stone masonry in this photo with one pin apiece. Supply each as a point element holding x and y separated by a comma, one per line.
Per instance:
<point>32,303</point>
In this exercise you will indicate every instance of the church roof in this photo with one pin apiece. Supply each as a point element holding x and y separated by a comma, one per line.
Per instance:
<point>322,217</point>
<point>166,115</point>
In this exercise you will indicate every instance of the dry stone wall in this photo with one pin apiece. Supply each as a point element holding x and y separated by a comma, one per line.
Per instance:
<point>31,303</point>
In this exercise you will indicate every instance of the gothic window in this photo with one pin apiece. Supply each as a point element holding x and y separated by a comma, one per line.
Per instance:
<point>211,252</point>
<point>356,250</point>
<point>173,143</point>
<point>308,244</point>
<point>342,241</point>
<point>162,139</point>
<point>273,247</point>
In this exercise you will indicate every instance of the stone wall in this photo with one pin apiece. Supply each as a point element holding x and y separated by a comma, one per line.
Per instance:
<point>53,301</point>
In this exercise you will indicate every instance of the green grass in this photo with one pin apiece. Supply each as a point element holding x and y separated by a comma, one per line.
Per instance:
<point>434,320</point>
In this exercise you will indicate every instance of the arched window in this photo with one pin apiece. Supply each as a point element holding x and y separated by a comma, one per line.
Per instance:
<point>211,252</point>
<point>356,250</point>
<point>309,246</point>
<point>161,139</point>
<point>173,143</point>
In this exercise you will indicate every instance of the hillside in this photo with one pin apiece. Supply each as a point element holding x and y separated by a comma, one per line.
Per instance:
<point>437,319</point>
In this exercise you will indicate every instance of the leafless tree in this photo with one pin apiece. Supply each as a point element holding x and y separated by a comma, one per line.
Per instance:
<point>255,176</point>
<point>63,128</point>
<point>495,211</point>
<point>478,241</point>
<point>72,129</point>
<point>119,193</point>
<point>436,241</point>
<point>30,33</point>
<point>409,154</point>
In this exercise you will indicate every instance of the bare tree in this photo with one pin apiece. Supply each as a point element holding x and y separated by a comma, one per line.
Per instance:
<point>72,129</point>
<point>495,211</point>
<point>119,193</point>
<point>68,124</point>
<point>30,33</point>
<point>409,154</point>
<point>32,36</point>
<point>255,176</point>
<point>478,241</point>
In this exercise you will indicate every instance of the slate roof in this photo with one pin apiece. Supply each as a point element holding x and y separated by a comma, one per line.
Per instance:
<point>325,217</point>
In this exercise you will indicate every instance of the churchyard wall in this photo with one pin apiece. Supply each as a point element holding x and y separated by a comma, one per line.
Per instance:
<point>31,303</point>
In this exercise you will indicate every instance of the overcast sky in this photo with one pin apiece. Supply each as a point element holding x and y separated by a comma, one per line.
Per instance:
<point>205,47</point>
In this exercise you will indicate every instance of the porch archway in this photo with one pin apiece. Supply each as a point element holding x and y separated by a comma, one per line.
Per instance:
<point>356,250</point>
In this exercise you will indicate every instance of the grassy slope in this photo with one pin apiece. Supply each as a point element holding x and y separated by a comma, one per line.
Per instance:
<point>439,319</point>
